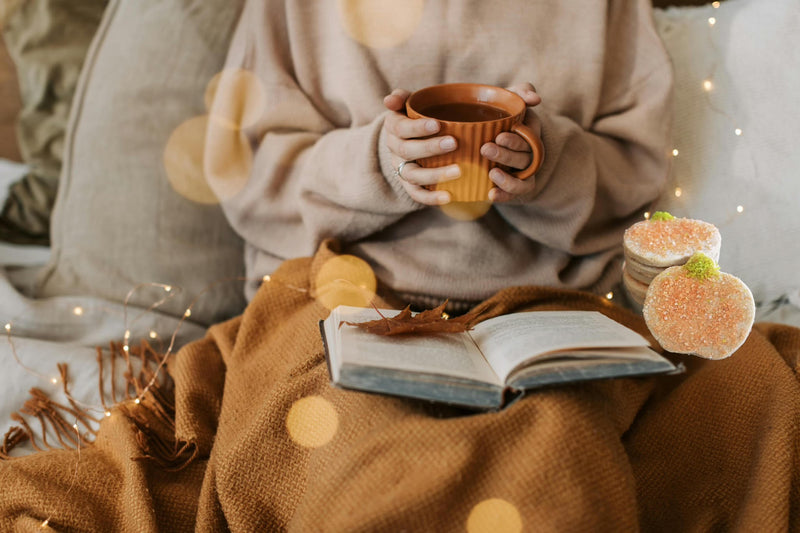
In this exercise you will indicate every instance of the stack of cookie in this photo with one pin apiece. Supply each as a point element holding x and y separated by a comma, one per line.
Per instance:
<point>660,242</point>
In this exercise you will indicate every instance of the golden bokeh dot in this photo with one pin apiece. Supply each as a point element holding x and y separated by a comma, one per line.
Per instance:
<point>183,161</point>
<point>380,23</point>
<point>235,98</point>
<point>312,422</point>
<point>345,280</point>
<point>227,161</point>
<point>494,515</point>
<point>466,211</point>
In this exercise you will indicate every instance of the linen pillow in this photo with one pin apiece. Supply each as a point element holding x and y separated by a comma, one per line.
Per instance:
<point>736,129</point>
<point>47,40</point>
<point>118,222</point>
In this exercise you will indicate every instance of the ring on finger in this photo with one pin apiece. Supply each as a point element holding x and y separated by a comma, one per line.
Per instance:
<point>398,172</point>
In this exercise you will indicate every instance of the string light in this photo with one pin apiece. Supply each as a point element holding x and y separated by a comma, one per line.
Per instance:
<point>707,85</point>
<point>739,208</point>
<point>675,152</point>
<point>153,334</point>
<point>610,295</point>
<point>647,215</point>
<point>738,132</point>
<point>187,313</point>
<point>715,5</point>
<point>78,311</point>
<point>678,192</point>
<point>711,21</point>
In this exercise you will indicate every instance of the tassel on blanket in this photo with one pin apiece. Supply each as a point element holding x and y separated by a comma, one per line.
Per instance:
<point>152,414</point>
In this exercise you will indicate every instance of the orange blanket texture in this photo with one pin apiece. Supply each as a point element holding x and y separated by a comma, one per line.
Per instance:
<point>262,442</point>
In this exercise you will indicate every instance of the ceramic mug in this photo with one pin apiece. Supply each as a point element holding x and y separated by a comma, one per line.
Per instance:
<point>473,114</point>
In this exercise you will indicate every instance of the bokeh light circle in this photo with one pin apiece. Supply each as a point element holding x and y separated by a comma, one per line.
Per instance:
<point>494,515</point>
<point>380,23</point>
<point>183,161</point>
<point>345,280</point>
<point>235,98</point>
<point>312,422</point>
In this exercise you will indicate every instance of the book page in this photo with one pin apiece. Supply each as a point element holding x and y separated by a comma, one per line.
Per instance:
<point>449,354</point>
<point>509,340</point>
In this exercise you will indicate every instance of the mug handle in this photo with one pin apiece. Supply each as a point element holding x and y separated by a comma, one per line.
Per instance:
<point>536,147</point>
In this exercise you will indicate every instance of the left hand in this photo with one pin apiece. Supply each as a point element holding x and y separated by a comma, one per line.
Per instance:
<point>511,150</point>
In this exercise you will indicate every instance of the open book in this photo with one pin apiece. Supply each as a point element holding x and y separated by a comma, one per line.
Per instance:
<point>487,366</point>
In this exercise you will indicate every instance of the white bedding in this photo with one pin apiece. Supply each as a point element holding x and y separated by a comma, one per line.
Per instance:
<point>45,332</point>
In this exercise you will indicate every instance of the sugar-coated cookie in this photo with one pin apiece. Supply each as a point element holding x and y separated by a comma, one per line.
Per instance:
<point>663,241</point>
<point>696,309</point>
<point>635,289</point>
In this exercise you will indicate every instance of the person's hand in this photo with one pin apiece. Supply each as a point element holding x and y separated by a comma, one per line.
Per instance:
<point>511,150</point>
<point>403,139</point>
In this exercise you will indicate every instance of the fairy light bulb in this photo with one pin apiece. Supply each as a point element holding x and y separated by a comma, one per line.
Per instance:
<point>707,85</point>
<point>678,192</point>
<point>610,295</point>
<point>53,380</point>
<point>739,208</point>
<point>153,334</point>
<point>78,310</point>
<point>8,326</point>
<point>168,288</point>
<point>715,5</point>
<point>675,152</point>
<point>108,414</point>
<point>647,215</point>
<point>137,401</point>
<point>266,278</point>
<point>187,313</point>
<point>711,21</point>
<point>737,132</point>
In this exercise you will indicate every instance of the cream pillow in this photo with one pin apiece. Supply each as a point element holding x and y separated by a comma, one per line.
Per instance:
<point>118,221</point>
<point>737,163</point>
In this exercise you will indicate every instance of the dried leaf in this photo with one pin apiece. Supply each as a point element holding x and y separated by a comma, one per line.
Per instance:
<point>425,322</point>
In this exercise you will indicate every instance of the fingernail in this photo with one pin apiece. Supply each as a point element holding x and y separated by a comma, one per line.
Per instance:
<point>489,151</point>
<point>431,126</point>
<point>448,143</point>
<point>453,172</point>
<point>497,177</point>
<point>443,198</point>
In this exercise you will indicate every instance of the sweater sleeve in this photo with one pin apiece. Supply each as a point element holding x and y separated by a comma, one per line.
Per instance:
<point>317,171</point>
<point>599,176</point>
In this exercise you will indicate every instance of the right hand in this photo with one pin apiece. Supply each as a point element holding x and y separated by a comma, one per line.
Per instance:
<point>403,139</point>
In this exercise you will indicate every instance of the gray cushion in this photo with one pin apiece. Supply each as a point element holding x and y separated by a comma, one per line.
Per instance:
<point>118,223</point>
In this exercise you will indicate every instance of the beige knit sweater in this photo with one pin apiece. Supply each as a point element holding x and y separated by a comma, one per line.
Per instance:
<point>321,169</point>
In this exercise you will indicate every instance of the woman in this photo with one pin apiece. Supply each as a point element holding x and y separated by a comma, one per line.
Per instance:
<point>330,142</point>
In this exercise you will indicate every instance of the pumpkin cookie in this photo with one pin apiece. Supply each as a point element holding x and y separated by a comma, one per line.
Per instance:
<point>664,241</point>
<point>696,309</point>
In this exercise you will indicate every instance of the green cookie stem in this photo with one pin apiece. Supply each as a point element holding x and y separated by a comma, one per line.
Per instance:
<point>701,267</point>
<point>662,215</point>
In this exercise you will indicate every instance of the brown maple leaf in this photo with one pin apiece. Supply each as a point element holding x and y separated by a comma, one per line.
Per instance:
<point>428,321</point>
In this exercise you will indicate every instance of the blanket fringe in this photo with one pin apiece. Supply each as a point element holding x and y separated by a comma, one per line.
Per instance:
<point>73,424</point>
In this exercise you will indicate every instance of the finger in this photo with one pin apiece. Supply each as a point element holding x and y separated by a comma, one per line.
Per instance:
<point>504,156</point>
<point>410,128</point>
<point>426,196</point>
<point>512,185</point>
<point>417,175</point>
<point>512,141</point>
<point>411,149</point>
<point>396,100</point>
<point>528,93</point>
<point>498,196</point>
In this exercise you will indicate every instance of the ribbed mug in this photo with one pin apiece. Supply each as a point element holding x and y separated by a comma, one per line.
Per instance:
<point>474,114</point>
